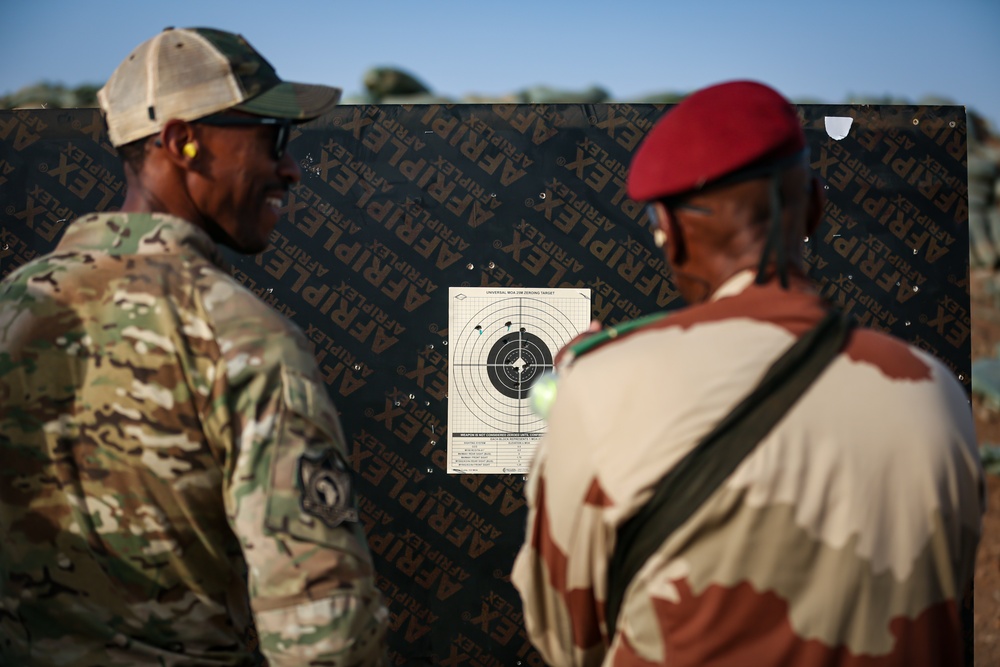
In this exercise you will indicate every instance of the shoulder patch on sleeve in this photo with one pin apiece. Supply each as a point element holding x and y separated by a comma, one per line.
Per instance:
<point>326,488</point>
<point>311,493</point>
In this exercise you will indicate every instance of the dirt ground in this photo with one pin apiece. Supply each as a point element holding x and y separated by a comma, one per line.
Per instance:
<point>985,340</point>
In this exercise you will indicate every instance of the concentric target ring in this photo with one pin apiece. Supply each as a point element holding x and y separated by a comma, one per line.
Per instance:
<point>515,361</point>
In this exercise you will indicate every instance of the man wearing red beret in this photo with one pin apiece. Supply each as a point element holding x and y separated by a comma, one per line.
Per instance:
<point>844,531</point>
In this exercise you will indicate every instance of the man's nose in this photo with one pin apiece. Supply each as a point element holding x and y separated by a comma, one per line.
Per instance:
<point>289,169</point>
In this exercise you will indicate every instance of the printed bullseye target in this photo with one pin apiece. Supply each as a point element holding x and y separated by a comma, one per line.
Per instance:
<point>500,342</point>
<point>516,361</point>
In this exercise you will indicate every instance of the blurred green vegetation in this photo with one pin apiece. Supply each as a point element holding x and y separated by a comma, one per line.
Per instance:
<point>47,95</point>
<point>392,85</point>
<point>991,458</point>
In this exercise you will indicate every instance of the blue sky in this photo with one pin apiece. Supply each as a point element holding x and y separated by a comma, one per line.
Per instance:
<point>809,48</point>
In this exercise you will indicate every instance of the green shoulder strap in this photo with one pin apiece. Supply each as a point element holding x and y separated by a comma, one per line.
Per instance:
<point>689,484</point>
<point>608,334</point>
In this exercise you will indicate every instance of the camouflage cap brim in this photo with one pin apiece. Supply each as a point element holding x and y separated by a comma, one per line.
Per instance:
<point>297,101</point>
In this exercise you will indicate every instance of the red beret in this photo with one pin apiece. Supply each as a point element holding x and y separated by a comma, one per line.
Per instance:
<point>712,133</point>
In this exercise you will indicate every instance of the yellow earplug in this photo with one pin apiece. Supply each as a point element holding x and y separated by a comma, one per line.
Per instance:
<point>190,150</point>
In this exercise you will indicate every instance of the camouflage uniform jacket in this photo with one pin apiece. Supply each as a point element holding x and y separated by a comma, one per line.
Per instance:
<point>171,461</point>
<point>846,538</point>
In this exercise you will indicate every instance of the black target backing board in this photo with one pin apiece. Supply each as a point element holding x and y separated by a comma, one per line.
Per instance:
<point>397,204</point>
<point>500,342</point>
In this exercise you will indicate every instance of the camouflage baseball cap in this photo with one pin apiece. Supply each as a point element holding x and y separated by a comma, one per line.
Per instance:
<point>194,72</point>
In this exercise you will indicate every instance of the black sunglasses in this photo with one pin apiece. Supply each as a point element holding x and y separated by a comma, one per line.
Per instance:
<point>283,126</point>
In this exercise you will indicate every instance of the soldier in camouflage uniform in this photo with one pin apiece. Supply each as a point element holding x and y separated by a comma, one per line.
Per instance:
<point>846,538</point>
<point>174,489</point>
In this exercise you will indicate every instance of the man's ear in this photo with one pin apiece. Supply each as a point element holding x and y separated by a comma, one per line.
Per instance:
<point>814,209</point>
<point>174,136</point>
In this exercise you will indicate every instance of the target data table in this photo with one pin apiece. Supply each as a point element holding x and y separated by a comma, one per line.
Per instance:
<point>500,341</point>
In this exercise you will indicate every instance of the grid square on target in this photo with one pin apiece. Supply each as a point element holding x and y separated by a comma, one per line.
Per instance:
<point>500,343</point>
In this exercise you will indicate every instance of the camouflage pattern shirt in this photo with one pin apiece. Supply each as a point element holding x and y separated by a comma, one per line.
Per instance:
<point>846,538</point>
<point>173,488</point>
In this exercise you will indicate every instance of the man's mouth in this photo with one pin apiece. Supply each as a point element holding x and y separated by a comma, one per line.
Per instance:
<point>275,203</point>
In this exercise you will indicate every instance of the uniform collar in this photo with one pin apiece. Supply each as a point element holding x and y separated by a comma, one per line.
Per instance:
<point>139,234</point>
<point>734,285</point>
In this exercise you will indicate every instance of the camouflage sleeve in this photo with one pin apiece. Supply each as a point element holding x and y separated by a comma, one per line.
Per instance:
<point>291,500</point>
